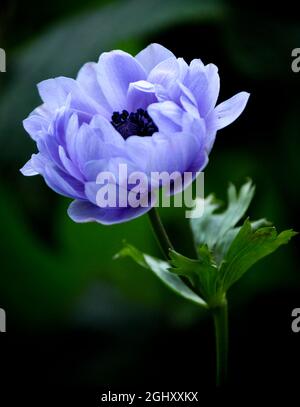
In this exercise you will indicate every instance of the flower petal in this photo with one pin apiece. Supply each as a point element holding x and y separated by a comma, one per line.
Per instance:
<point>109,134</point>
<point>165,73</point>
<point>88,145</point>
<point>171,151</point>
<point>167,116</point>
<point>93,168</point>
<point>227,112</point>
<point>52,93</point>
<point>152,55</point>
<point>55,92</point>
<point>188,101</point>
<point>116,70</point>
<point>38,162</point>
<point>94,144</point>
<point>204,83</point>
<point>140,95</point>
<point>28,170</point>
<point>36,125</point>
<point>68,164</point>
<point>88,80</point>
<point>63,183</point>
<point>83,211</point>
<point>70,137</point>
<point>48,147</point>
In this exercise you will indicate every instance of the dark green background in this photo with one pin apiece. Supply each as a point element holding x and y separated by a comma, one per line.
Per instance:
<point>74,315</point>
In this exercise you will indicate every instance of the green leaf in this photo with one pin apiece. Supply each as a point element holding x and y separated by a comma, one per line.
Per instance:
<point>224,243</point>
<point>211,227</point>
<point>247,248</point>
<point>218,230</point>
<point>225,251</point>
<point>203,273</point>
<point>232,249</point>
<point>161,269</point>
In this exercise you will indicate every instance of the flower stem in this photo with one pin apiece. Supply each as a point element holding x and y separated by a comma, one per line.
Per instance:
<point>220,315</point>
<point>160,232</point>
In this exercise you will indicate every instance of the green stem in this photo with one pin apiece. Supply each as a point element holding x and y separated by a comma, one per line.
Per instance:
<point>160,232</point>
<point>220,315</point>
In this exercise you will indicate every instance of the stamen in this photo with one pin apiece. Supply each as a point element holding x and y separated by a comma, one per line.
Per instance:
<point>133,124</point>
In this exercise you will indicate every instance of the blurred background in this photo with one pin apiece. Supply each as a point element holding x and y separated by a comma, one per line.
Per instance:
<point>75,316</point>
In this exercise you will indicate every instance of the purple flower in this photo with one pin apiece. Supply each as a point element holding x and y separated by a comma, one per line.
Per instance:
<point>152,112</point>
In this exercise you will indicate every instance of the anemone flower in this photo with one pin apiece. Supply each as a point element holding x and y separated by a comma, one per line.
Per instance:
<point>151,113</point>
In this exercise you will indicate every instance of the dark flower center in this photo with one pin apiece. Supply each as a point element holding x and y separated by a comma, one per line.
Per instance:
<point>137,124</point>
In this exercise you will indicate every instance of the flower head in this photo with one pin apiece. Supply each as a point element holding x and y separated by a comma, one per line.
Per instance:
<point>152,112</point>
